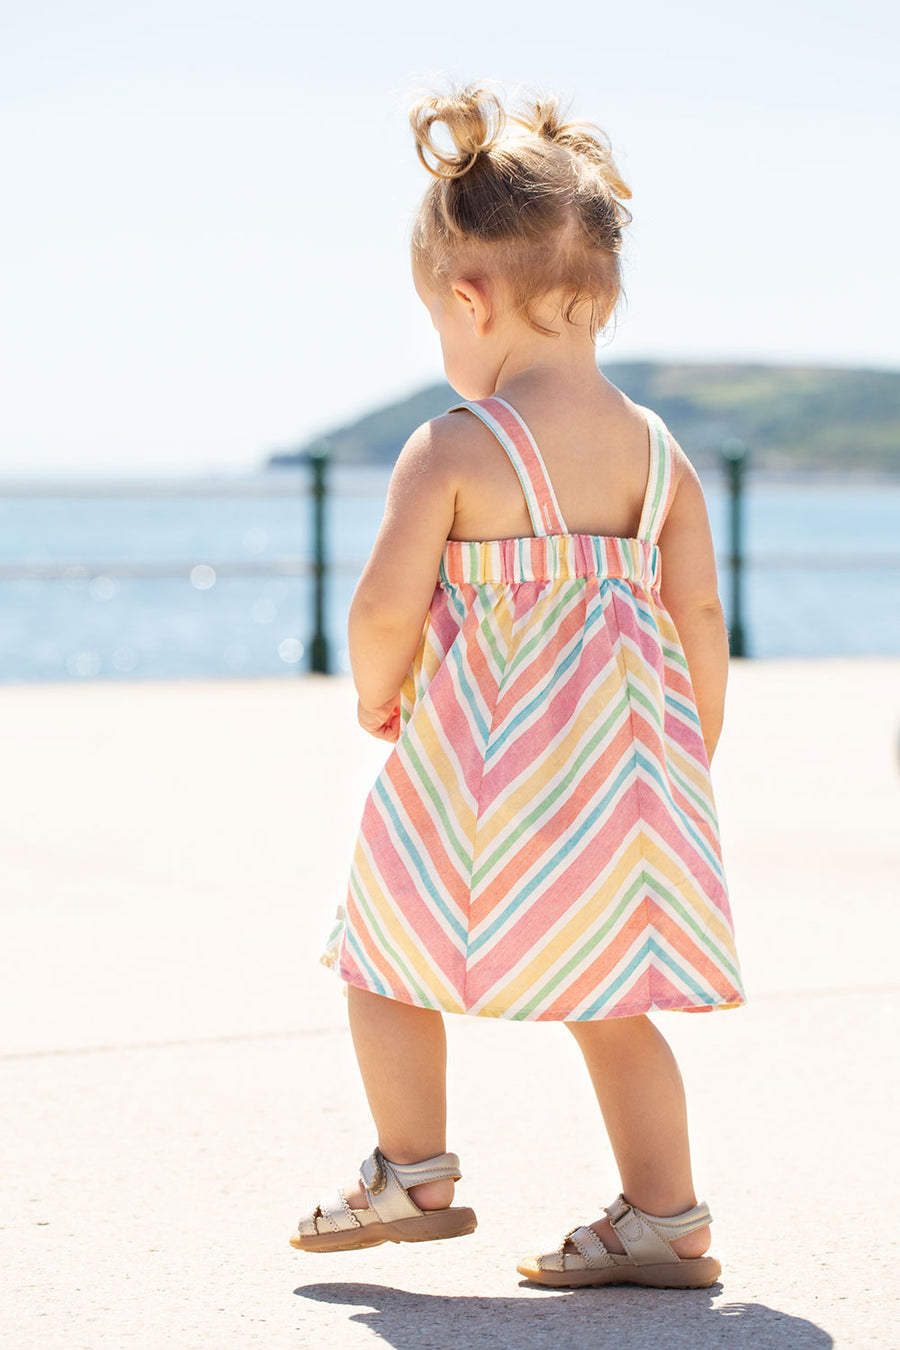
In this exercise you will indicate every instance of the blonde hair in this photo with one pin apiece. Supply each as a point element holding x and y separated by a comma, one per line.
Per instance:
<point>543,210</point>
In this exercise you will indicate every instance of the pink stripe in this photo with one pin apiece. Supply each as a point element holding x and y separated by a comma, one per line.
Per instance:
<point>534,468</point>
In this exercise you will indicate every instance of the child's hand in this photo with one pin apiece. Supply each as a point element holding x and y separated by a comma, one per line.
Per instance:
<point>383,722</point>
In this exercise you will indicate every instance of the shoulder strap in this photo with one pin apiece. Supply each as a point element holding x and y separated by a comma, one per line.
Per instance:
<point>519,444</point>
<point>659,480</point>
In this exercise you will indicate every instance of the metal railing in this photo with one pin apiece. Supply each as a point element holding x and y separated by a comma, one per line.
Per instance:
<point>313,483</point>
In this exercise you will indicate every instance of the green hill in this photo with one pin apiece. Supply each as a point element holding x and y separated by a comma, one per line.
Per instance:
<point>790,417</point>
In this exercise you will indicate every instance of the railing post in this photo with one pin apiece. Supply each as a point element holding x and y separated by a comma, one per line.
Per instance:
<point>734,458</point>
<point>318,462</point>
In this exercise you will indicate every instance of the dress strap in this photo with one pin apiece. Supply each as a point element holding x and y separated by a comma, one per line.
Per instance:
<point>660,479</point>
<point>520,446</point>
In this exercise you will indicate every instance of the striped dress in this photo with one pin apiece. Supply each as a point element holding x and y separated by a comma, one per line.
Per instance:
<point>542,842</point>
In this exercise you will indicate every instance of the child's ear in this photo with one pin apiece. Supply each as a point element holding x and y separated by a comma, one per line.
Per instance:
<point>476,297</point>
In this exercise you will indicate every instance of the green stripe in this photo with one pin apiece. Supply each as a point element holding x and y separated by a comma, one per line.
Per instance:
<point>639,696</point>
<point>689,791</point>
<point>528,647</point>
<point>675,655</point>
<point>660,474</point>
<point>386,946</point>
<point>690,918</point>
<point>585,949</point>
<point>662,957</point>
<point>547,802</point>
<point>547,989</point>
<point>505,439</point>
<point>658,469</point>
<point>486,627</point>
<point>463,854</point>
<point>359,956</point>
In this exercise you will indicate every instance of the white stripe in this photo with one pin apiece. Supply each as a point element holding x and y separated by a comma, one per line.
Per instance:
<point>514,458</point>
<point>546,485</point>
<point>436,729</point>
<point>702,916</point>
<point>657,470</point>
<point>550,785</point>
<point>409,864</point>
<point>560,864</point>
<point>412,950</point>
<point>596,885</point>
<point>535,692</point>
<point>649,962</point>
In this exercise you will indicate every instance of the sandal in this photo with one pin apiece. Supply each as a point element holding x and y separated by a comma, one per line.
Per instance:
<point>649,1257</point>
<point>392,1216</point>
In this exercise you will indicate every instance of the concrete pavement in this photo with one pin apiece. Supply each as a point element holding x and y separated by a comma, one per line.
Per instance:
<point>178,1081</point>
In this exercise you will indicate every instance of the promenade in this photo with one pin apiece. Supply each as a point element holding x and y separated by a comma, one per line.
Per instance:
<point>178,1082</point>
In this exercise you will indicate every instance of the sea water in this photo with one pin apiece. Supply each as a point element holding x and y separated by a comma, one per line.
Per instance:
<point>822,573</point>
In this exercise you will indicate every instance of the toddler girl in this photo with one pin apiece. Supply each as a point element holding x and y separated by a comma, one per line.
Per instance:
<point>539,634</point>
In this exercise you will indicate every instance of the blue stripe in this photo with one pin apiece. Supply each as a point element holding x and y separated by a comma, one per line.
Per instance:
<point>422,865</point>
<point>702,803</point>
<point>594,617</point>
<point>389,949</point>
<point>651,945</point>
<point>633,597</point>
<point>456,655</point>
<point>375,981</point>
<point>688,710</point>
<point>522,896</point>
<point>550,803</point>
<point>699,841</point>
<point>457,601</point>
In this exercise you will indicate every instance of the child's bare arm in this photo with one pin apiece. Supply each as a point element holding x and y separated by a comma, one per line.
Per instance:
<point>391,601</point>
<point>689,592</point>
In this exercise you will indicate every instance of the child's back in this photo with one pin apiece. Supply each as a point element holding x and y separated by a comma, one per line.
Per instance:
<point>594,444</point>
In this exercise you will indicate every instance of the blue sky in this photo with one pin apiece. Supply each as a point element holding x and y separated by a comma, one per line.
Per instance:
<point>204,243</point>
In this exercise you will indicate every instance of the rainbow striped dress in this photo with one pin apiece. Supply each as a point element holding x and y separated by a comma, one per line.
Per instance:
<point>542,842</point>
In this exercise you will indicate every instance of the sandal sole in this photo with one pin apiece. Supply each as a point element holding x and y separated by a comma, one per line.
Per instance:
<point>698,1273</point>
<point>433,1227</point>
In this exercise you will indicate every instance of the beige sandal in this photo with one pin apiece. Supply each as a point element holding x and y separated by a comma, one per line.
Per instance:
<point>649,1257</point>
<point>392,1216</point>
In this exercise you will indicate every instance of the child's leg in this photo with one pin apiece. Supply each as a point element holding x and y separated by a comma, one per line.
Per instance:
<point>402,1055</point>
<point>641,1095</point>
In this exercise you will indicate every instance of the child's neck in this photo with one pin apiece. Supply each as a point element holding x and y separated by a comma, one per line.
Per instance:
<point>564,372</point>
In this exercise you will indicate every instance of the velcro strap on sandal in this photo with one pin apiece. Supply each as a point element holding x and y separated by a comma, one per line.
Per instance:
<point>589,1246</point>
<point>306,1224</point>
<point>646,1237</point>
<point>336,1214</point>
<point>386,1183</point>
<point>445,1167</point>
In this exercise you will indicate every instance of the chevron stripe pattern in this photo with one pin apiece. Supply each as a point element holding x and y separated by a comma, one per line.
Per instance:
<point>542,843</point>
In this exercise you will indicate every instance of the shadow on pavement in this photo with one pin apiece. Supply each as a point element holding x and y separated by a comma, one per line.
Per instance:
<point>643,1319</point>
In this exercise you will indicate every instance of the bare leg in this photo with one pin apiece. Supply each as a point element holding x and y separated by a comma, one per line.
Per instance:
<point>641,1096</point>
<point>402,1055</point>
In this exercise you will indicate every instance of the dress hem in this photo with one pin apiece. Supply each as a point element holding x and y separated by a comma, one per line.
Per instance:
<point>629,1010</point>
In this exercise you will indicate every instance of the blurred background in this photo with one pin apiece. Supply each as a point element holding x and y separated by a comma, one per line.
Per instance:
<point>205,278</point>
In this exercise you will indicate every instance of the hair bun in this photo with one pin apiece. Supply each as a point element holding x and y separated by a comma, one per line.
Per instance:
<point>542,117</point>
<point>475,120</point>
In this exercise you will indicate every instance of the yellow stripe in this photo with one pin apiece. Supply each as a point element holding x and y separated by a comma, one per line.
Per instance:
<point>388,916</point>
<point>694,899</point>
<point>525,795</point>
<point>431,745</point>
<point>690,769</point>
<point>538,971</point>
